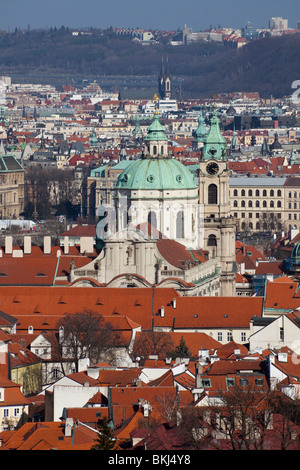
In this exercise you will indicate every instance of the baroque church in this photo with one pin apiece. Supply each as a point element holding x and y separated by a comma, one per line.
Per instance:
<point>166,227</point>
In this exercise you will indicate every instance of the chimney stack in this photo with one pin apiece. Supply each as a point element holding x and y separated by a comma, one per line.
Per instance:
<point>8,245</point>
<point>47,245</point>
<point>27,245</point>
<point>66,245</point>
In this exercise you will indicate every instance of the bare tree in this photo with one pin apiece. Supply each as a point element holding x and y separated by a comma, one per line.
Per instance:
<point>153,342</point>
<point>87,335</point>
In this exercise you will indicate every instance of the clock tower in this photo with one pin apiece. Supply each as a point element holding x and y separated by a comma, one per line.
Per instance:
<point>218,225</point>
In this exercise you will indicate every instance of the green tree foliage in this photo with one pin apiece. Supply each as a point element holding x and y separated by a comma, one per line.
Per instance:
<point>182,350</point>
<point>105,439</point>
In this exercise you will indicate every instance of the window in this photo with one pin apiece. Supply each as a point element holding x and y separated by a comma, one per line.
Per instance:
<point>229,336</point>
<point>243,336</point>
<point>244,382</point>
<point>235,203</point>
<point>272,193</point>
<point>212,241</point>
<point>250,204</point>
<point>250,192</point>
<point>16,412</point>
<point>243,203</point>
<point>279,193</point>
<point>264,193</point>
<point>206,383</point>
<point>5,413</point>
<point>235,193</point>
<point>281,334</point>
<point>220,336</point>
<point>230,382</point>
<point>243,192</point>
<point>152,219</point>
<point>180,225</point>
<point>257,204</point>
<point>212,194</point>
<point>259,381</point>
<point>257,192</point>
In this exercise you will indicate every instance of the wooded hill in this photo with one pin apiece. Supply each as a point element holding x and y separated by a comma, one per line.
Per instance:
<point>268,65</point>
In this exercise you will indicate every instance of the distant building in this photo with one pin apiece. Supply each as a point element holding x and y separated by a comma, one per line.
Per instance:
<point>164,81</point>
<point>11,187</point>
<point>249,32</point>
<point>278,23</point>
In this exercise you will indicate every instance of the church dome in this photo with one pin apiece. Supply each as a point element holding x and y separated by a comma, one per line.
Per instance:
<point>156,173</point>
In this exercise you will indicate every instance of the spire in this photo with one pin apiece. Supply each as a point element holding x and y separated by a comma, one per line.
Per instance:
<point>233,140</point>
<point>200,133</point>
<point>215,144</point>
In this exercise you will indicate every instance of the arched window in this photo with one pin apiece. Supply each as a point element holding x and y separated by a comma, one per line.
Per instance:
<point>271,193</point>
<point>212,241</point>
<point>152,219</point>
<point>271,203</point>
<point>235,203</point>
<point>180,225</point>
<point>154,150</point>
<point>212,194</point>
<point>264,193</point>
<point>278,203</point>
<point>257,226</point>
<point>235,192</point>
<point>257,192</point>
<point>243,203</point>
<point>278,192</point>
<point>249,203</point>
<point>243,192</point>
<point>257,204</point>
<point>264,203</point>
<point>250,192</point>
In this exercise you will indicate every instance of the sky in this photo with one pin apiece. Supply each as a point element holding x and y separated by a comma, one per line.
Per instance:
<point>146,14</point>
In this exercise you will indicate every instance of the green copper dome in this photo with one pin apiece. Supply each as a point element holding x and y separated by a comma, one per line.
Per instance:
<point>156,173</point>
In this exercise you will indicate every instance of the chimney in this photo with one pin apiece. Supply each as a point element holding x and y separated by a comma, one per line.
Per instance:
<point>198,371</point>
<point>8,245</point>
<point>66,245</point>
<point>68,427</point>
<point>27,245</point>
<point>86,244</point>
<point>47,245</point>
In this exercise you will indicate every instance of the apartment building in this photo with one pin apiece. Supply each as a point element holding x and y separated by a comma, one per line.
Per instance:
<point>265,203</point>
<point>11,187</point>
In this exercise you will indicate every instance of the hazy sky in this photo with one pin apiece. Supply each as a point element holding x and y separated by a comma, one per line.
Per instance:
<point>147,14</point>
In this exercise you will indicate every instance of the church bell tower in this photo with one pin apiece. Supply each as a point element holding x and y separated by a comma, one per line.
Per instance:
<point>164,81</point>
<point>218,225</point>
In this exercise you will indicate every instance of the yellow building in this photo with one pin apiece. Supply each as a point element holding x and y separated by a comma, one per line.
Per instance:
<point>11,187</point>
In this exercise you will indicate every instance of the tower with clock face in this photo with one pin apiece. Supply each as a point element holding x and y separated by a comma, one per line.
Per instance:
<point>218,225</point>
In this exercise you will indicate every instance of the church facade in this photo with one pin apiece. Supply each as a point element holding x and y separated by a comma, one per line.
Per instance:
<point>165,230</point>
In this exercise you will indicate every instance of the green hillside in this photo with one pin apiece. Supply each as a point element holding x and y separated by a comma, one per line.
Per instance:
<point>268,65</point>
